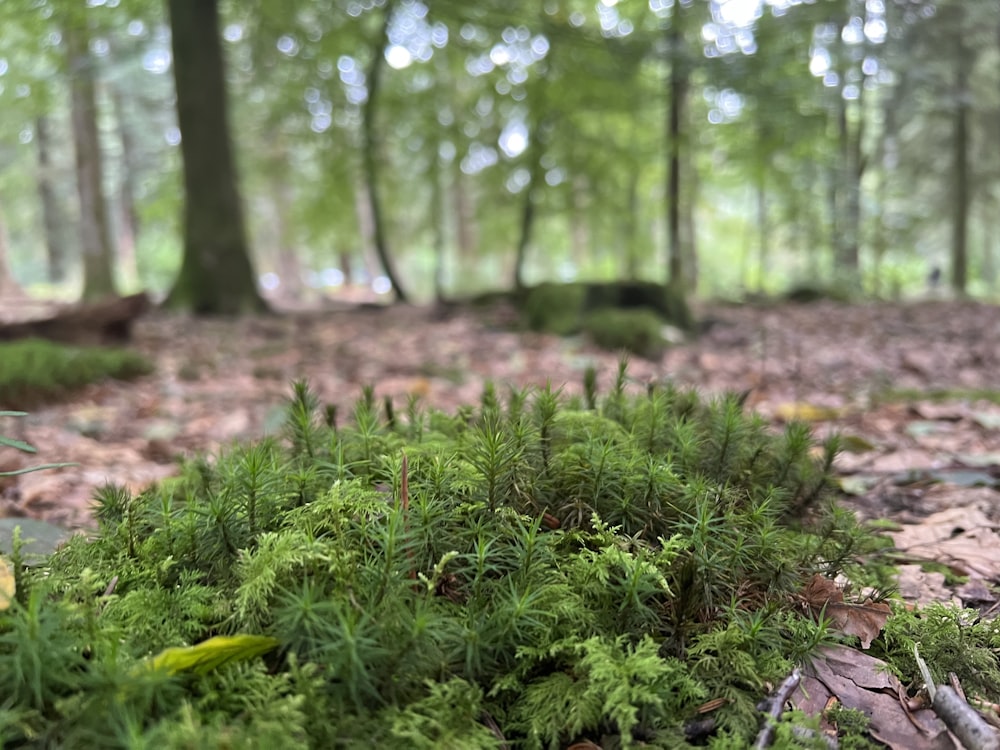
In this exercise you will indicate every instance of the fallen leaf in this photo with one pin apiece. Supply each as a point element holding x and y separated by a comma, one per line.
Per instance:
<point>803,412</point>
<point>864,620</point>
<point>861,682</point>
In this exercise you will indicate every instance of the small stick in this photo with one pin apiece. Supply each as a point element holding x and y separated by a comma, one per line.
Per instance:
<point>775,705</point>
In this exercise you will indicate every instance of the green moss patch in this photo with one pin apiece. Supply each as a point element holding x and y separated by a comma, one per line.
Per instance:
<point>566,309</point>
<point>522,573</point>
<point>34,371</point>
<point>638,332</point>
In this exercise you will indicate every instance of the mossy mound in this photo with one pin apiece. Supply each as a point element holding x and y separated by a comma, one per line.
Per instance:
<point>566,309</point>
<point>807,293</point>
<point>527,574</point>
<point>638,332</point>
<point>33,371</point>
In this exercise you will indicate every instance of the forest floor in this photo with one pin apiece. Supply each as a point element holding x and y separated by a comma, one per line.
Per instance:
<point>915,389</point>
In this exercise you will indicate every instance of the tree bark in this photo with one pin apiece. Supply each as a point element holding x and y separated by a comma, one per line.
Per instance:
<point>438,234</point>
<point>55,249</point>
<point>216,274</point>
<point>370,159</point>
<point>960,168</point>
<point>677,86</point>
<point>128,222</point>
<point>528,208</point>
<point>95,234</point>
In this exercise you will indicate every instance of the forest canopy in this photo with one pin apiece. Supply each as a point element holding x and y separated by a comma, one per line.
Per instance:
<point>443,148</point>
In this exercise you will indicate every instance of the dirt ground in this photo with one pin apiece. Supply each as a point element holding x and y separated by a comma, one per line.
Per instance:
<point>913,388</point>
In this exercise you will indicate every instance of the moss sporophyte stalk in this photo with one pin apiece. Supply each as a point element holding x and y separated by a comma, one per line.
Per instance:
<point>531,571</point>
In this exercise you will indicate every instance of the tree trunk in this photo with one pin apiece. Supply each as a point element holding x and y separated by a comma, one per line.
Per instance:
<point>128,225</point>
<point>370,158</point>
<point>689,235</point>
<point>52,218</point>
<point>763,230</point>
<point>535,150</point>
<point>95,234</point>
<point>630,226</point>
<point>437,221</point>
<point>677,92</point>
<point>216,274</point>
<point>464,201</point>
<point>960,168</point>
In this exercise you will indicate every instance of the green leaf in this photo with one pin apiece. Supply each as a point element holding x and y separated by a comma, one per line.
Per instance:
<point>212,654</point>
<point>30,469</point>
<point>19,444</point>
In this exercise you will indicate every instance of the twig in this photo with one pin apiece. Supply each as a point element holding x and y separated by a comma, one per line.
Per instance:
<point>111,587</point>
<point>962,720</point>
<point>774,706</point>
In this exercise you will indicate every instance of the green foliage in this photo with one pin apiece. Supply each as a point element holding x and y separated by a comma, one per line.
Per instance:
<point>531,574</point>
<point>636,331</point>
<point>617,315</point>
<point>35,370</point>
<point>554,308</point>
<point>950,640</point>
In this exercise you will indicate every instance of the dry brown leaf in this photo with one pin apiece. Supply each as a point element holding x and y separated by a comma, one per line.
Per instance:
<point>864,620</point>
<point>859,681</point>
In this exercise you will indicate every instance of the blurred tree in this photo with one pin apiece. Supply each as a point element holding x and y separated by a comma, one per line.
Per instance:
<point>370,158</point>
<point>52,219</point>
<point>216,274</point>
<point>95,233</point>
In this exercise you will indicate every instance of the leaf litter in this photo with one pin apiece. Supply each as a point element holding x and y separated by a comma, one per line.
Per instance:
<point>910,388</point>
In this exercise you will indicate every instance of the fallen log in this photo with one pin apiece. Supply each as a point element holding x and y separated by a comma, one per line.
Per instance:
<point>107,321</point>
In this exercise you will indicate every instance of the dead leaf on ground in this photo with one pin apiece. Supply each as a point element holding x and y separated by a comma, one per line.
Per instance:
<point>865,620</point>
<point>922,587</point>
<point>962,538</point>
<point>856,680</point>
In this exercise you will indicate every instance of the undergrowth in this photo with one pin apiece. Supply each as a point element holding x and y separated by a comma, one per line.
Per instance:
<point>33,371</point>
<point>529,572</point>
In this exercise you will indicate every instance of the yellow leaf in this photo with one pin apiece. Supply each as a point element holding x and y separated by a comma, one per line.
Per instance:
<point>212,654</point>
<point>8,586</point>
<point>855,444</point>
<point>803,412</point>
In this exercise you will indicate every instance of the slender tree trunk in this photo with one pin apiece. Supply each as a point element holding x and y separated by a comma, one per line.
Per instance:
<point>580,228</point>
<point>960,168</point>
<point>528,211</point>
<point>439,236</point>
<point>366,229</point>
<point>370,158</point>
<point>52,217</point>
<point>95,234</point>
<point>677,93</point>
<point>464,199</point>
<point>128,224</point>
<point>630,226</point>
<point>216,274</point>
<point>689,235</point>
<point>763,231</point>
